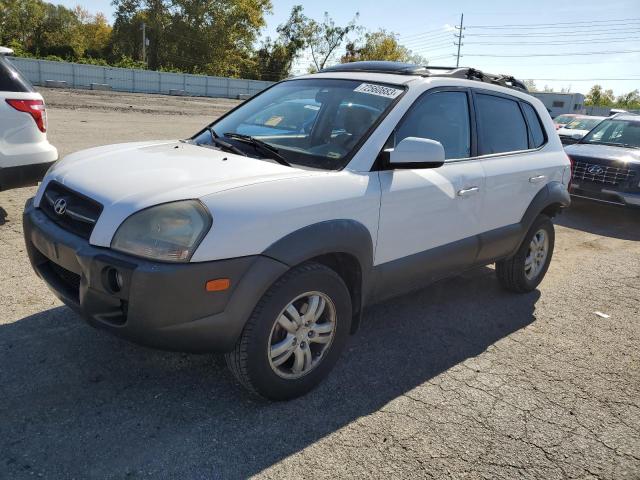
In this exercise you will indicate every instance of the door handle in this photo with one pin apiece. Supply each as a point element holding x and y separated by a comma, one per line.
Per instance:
<point>468,191</point>
<point>537,179</point>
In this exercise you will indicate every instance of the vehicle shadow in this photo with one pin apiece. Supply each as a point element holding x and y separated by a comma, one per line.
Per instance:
<point>3,216</point>
<point>76,402</point>
<point>601,219</point>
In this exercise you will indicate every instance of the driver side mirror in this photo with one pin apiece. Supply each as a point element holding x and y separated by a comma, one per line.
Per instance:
<point>414,152</point>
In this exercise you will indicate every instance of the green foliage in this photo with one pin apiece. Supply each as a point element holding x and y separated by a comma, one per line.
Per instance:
<point>37,28</point>
<point>323,39</point>
<point>274,59</point>
<point>380,45</point>
<point>599,97</point>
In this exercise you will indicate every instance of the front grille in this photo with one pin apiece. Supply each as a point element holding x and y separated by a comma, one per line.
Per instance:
<point>603,174</point>
<point>62,280</point>
<point>70,210</point>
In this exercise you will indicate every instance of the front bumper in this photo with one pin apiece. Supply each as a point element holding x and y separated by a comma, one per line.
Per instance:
<point>606,195</point>
<point>22,175</point>
<point>162,305</point>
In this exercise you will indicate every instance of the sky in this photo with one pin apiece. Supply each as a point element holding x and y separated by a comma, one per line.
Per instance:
<point>559,44</point>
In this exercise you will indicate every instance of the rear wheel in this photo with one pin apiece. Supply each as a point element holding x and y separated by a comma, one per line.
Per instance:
<point>525,270</point>
<point>295,334</point>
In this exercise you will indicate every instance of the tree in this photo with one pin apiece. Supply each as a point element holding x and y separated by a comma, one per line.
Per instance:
<point>531,85</point>
<point>215,37</point>
<point>629,100</point>
<point>323,39</point>
<point>599,97</point>
<point>380,45</point>
<point>274,59</point>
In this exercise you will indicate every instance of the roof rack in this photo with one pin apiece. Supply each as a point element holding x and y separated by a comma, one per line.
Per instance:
<point>399,68</point>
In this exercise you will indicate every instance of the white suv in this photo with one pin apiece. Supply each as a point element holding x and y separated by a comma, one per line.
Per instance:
<point>25,153</point>
<point>266,234</point>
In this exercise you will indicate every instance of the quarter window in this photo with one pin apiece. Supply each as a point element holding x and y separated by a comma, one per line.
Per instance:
<point>441,116</point>
<point>537,133</point>
<point>501,126</point>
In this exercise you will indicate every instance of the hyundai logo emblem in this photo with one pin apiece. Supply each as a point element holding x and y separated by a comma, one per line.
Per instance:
<point>595,170</point>
<point>60,206</point>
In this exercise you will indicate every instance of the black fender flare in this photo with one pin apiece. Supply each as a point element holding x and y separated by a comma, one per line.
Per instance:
<point>552,198</point>
<point>341,236</point>
<point>553,194</point>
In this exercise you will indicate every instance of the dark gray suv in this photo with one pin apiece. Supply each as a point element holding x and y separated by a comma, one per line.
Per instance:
<point>606,162</point>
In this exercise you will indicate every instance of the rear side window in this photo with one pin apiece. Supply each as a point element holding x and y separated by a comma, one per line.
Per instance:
<point>10,78</point>
<point>501,126</point>
<point>535,127</point>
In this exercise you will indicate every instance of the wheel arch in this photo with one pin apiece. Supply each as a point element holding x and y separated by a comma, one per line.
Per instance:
<point>550,200</point>
<point>345,246</point>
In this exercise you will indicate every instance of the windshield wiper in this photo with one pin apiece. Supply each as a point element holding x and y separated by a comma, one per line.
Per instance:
<point>218,142</point>
<point>270,150</point>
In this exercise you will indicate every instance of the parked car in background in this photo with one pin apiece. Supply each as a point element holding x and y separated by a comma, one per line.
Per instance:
<point>561,120</point>
<point>25,153</point>
<point>577,128</point>
<point>606,162</point>
<point>265,234</point>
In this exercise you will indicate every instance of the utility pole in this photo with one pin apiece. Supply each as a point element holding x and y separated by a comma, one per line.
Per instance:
<point>459,37</point>
<point>144,42</point>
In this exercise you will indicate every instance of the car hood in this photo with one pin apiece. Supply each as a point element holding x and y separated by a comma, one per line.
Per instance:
<point>572,132</point>
<point>126,178</point>
<point>605,152</point>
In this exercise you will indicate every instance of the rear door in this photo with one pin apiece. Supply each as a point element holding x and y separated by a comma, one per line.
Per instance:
<point>430,218</point>
<point>515,167</point>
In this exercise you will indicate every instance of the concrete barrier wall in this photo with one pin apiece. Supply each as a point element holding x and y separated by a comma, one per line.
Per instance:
<point>77,75</point>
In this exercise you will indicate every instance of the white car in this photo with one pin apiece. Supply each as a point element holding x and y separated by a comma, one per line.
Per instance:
<point>266,234</point>
<point>25,153</point>
<point>578,128</point>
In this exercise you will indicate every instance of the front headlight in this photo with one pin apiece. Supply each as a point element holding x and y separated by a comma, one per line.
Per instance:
<point>170,232</point>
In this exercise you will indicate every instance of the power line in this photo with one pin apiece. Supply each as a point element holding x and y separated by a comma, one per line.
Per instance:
<point>427,33</point>
<point>612,40</point>
<point>558,34</point>
<point>540,25</point>
<point>610,52</point>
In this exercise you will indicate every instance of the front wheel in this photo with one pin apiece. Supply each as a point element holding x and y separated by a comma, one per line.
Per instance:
<point>295,334</point>
<point>525,270</point>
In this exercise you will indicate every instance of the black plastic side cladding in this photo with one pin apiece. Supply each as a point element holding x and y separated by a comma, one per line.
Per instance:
<point>329,238</point>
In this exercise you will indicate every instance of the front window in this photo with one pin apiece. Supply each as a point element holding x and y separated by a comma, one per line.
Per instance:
<point>622,133</point>
<point>317,123</point>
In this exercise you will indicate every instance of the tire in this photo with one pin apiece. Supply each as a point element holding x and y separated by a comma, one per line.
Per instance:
<point>516,274</point>
<point>254,362</point>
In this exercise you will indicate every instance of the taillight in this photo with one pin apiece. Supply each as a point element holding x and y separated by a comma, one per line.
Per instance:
<point>35,108</point>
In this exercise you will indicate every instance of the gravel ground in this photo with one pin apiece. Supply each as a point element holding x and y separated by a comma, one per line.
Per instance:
<point>460,380</point>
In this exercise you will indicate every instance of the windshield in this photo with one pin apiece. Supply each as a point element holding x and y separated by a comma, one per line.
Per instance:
<point>563,119</point>
<point>625,133</point>
<point>318,123</point>
<point>583,124</point>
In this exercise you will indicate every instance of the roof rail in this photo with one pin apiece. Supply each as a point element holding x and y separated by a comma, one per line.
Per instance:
<point>399,68</point>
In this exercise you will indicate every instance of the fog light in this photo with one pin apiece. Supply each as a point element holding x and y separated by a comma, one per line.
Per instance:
<point>114,280</point>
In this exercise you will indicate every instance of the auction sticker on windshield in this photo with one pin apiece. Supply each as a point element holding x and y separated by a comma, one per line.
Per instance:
<point>379,90</point>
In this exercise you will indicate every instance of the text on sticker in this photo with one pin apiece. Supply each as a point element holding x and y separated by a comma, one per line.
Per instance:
<point>379,90</point>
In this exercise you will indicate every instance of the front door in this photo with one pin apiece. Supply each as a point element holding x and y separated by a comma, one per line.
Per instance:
<point>430,218</point>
